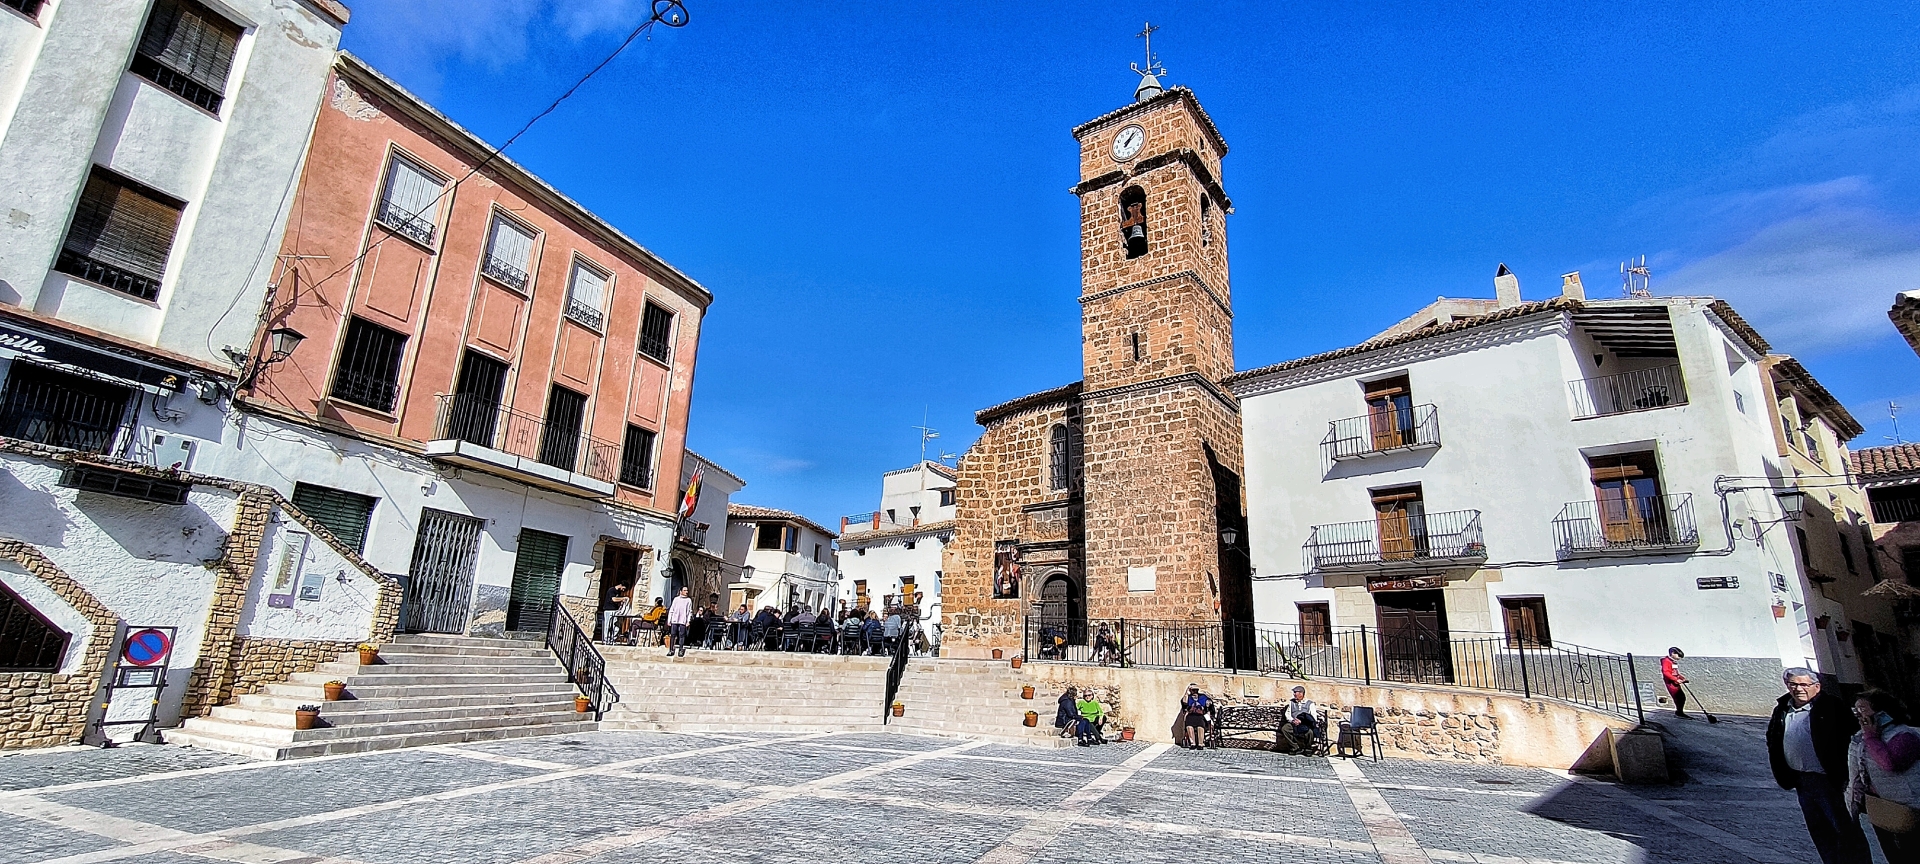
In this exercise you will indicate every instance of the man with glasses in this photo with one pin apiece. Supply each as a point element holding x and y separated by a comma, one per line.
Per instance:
<point>1807,747</point>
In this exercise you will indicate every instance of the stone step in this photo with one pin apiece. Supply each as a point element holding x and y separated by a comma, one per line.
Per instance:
<point>313,693</point>
<point>396,659</point>
<point>269,751</point>
<point>745,702</point>
<point>425,676</point>
<point>351,713</point>
<point>1023,740</point>
<point>476,648</point>
<point>557,693</point>
<point>286,734</point>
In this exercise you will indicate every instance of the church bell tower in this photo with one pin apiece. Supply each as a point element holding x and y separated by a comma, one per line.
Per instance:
<point>1165,529</point>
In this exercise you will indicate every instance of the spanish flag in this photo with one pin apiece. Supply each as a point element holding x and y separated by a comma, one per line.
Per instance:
<point>692,498</point>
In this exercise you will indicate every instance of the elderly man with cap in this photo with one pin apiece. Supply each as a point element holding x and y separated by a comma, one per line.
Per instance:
<point>1303,721</point>
<point>1194,718</point>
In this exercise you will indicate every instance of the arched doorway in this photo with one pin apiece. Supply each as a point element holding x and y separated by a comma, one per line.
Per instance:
<point>1063,607</point>
<point>676,578</point>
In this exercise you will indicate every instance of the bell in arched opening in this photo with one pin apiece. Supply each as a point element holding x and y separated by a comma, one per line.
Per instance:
<point>1133,221</point>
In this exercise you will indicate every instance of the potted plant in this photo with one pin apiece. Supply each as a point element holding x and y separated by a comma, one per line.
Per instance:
<point>899,709</point>
<point>1032,719</point>
<point>1016,662</point>
<point>1126,733</point>
<point>581,704</point>
<point>305,716</point>
<point>996,653</point>
<point>334,690</point>
<point>1026,692</point>
<point>369,653</point>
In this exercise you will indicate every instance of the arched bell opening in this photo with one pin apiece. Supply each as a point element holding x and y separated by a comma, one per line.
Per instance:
<point>1133,221</point>
<point>1063,608</point>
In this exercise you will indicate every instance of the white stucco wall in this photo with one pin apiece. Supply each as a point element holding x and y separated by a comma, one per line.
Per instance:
<point>67,102</point>
<point>347,597</point>
<point>885,565</point>
<point>1512,450</point>
<point>716,489</point>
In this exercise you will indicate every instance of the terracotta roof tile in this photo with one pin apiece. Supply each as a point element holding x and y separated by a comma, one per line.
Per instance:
<point>748,512</point>
<point>1044,397</point>
<point>1892,460</point>
<point>1557,304</point>
<point>857,539</point>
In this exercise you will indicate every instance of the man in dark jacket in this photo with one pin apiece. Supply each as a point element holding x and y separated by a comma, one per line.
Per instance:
<point>1807,746</point>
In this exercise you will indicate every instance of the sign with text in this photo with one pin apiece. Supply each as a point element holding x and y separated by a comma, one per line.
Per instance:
<point>1411,583</point>
<point>1708,583</point>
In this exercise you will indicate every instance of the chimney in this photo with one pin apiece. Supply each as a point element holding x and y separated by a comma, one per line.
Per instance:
<point>1570,286</point>
<point>1506,287</point>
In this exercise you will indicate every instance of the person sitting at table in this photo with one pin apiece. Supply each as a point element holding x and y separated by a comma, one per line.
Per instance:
<point>713,626</point>
<point>766,626</point>
<point>619,604</point>
<point>740,628</point>
<point>654,619</point>
<point>853,632</point>
<point>1303,721</point>
<point>876,636</point>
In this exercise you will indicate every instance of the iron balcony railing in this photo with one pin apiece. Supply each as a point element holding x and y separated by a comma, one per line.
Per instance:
<point>1625,524</point>
<point>593,319</point>
<point>1385,431</point>
<point>1402,536</point>
<point>1480,661</point>
<point>1893,505</point>
<point>693,532</point>
<point>464,417</point>
<point>504,273</point>
<point>400,221</point>
<point>1639,390</point>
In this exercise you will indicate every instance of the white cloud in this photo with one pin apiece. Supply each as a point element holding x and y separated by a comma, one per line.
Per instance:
<point>414,39</point>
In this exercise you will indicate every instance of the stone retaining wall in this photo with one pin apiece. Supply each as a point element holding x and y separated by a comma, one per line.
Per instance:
<point>258,662</point>
<point>1416,721</point>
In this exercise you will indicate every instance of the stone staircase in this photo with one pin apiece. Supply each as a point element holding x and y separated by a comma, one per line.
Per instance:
<point>751,691</point>
<point>426,689</point>
<point>973,699</point>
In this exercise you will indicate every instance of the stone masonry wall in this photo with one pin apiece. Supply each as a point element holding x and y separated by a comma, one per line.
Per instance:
<point>48,710</point>
<point>1006,469</point>
<point>258,662</point>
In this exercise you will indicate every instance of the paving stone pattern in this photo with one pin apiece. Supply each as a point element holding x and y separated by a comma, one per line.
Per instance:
<point>644,797</point>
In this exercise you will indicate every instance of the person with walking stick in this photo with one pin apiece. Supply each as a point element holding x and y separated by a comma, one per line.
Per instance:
<point>1670,673</point>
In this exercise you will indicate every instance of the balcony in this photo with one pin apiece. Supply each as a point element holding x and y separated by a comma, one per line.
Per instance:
<point>1639,390</point>
<point>1647,523</point>
<point>1405,541</point>
<point>1379,433</point>
<point>486,436</point>
<point>691,532</point>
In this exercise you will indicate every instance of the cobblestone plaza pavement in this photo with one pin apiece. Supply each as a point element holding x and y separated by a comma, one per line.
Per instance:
<point>637,796</point>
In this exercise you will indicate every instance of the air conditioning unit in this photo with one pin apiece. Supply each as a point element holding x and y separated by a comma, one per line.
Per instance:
<point>168,450</point>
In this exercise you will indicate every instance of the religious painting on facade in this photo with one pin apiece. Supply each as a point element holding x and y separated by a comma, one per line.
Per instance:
<point>1006,569</point>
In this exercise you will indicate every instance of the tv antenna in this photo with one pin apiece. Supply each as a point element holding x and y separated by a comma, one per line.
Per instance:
<point>1635,279</point>
<point>1893,414</point>
<point>927,433</point>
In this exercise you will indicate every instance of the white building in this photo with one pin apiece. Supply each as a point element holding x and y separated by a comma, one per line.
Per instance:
<point>893,554</point>
<point>1598,473</point>
<point>699,560</point>
<point>787,559</point>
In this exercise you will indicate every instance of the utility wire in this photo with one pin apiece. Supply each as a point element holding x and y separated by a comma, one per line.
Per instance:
<point>671,13</point>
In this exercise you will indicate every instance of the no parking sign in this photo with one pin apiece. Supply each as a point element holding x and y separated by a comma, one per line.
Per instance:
<point>147,647</point>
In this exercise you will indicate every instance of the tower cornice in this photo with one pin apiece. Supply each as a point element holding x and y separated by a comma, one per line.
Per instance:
<point>1136,109</point>
<point>1184,155</point>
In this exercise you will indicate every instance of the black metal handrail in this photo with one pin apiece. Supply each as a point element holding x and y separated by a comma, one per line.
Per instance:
<point>1382,431</point>
<point>1479,661</point>
<point>585,667</point>
<point>481,421</point>
<point>1639,390</point>
<point>1402,536</point>
<point>1640,522</point>
<point>897,667</point>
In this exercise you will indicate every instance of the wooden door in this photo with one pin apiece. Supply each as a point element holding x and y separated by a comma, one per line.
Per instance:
<point>1399,516</point>
<point>1627,494</point>
<point>1413,637</point>
<point>1390,412</point>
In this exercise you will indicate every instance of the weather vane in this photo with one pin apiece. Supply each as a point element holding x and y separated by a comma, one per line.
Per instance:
<point>1153,65</point>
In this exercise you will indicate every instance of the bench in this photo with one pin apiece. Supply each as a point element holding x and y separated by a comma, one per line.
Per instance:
<point>1240,721</point>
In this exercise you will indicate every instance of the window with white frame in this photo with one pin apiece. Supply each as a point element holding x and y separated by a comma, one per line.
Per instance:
<point>410,200</point>
<point>509,254</point>
<point>586,296</point>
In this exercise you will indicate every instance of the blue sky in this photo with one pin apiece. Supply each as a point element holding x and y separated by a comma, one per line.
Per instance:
<point>876,192</point>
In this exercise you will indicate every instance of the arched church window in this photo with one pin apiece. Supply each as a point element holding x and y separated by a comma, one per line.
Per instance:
<point>1059,458</point>
<point>1133,221</point>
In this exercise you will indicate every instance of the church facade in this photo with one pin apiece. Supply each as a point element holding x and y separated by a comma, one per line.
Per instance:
<point>1119,496</point>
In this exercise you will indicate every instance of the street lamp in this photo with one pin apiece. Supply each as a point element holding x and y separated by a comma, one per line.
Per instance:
<point>281,342</point>
<point>1228,536</point>
<point>1793,502</point>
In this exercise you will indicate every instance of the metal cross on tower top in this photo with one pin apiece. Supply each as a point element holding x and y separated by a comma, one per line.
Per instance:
<point>1153,65</point>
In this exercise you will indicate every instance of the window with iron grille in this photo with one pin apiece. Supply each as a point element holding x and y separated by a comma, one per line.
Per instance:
<point>656,333</point>
<point>509,254</point>
<point>28,641</point>
<point>1526,619</point>
<point>29,8</point>
<point>51,407</point>
<point>121,235</point>
<point>410,201</point>
<point>125,484</point>
<point>344,513</point>
<point>188,49</point>
<point>1059,454</point>
<point>369,369</point>
<point>586,294</point>
<point>636,458</point>
<point>560,440</point>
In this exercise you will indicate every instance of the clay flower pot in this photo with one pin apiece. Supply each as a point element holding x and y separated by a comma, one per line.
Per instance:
<point>1016,662</point>
<point>899,709</point>
<point>1032,719</point>
<point>996,653</point>
<point>581,704</point>
<point>1126,733</point>
<point>369,656</point>
<point>1026,692</point>
<point>335,690</point>
<point>306,716</point>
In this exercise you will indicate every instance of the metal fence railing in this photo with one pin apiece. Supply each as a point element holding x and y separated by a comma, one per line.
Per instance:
<point>1639,390</point>
<point>1382,431</point>
<point>1401,536</point>
<point>1615,524</point>
<point>1479,661</point>
<point>487,423</point>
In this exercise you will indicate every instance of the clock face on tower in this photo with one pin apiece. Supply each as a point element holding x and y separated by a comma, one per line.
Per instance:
<point>1127,144</point>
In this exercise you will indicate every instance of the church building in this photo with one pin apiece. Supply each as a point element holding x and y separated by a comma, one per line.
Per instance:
<point>1119,495</point>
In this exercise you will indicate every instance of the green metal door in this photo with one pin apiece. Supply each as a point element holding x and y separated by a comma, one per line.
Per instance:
<point>536,579</point>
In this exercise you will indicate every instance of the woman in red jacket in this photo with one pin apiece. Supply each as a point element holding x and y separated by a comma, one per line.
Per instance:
<point>1670,673</point>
